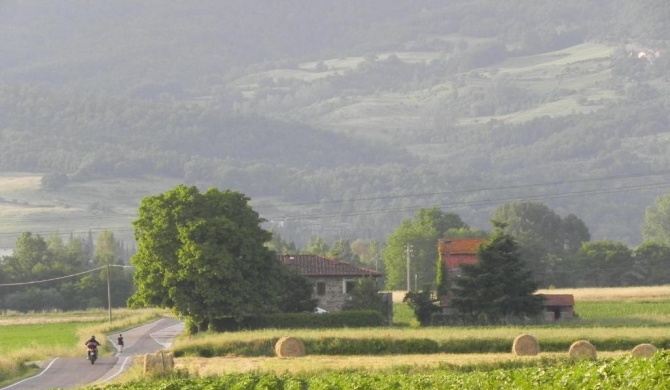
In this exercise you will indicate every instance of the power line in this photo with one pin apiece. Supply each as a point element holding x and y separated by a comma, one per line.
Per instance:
<point>377,198</point>
<point>483,202</point>
<point>63,277</point>
<point>67,218</point>
<point>68,232</point>
<point>482,189</point>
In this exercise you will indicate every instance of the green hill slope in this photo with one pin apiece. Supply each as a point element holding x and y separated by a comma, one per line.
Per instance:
<point>338,118</point>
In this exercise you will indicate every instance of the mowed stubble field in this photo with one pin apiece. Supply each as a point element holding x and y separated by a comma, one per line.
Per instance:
<point>605,313</point>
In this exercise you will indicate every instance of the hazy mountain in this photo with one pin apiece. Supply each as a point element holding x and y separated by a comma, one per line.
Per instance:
<point>341,118</point>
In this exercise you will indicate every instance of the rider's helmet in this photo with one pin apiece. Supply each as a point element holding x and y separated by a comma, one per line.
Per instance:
<point>92,337</point>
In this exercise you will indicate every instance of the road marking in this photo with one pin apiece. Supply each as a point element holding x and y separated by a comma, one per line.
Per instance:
<point>32,377</point>
<point>121,369</point>
<point>166,336</point>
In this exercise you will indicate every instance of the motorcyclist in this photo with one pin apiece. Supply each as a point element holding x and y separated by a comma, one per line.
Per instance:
<point>93,344</point>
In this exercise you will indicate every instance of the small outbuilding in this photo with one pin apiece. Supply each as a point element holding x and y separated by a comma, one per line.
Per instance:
<point>559,306</point>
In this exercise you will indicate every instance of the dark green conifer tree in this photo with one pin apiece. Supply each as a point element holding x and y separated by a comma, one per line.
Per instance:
<point>498,287</point>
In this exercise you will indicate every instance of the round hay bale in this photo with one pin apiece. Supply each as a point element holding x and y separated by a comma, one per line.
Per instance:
<point>525,345</point>
<point>168,360</point>
<point>289,347</point>
<point>150,363</point>
<point>582,350</point>
<point>643,350</point>
<point>159,362</point>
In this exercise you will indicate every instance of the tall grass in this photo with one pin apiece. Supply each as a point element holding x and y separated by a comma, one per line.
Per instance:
<point>403,316</point>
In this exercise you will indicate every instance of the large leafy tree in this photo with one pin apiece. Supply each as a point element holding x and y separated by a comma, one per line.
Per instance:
<point>318,247</point>
<point>545,239</point>
<point>279,245</point>
<point>203,255</point>
<point>420,235</point>
<point>369,253</point>
<point>656,224</point>
<point>498,286</point>
<point>606,264</point>
<point>652,261</point>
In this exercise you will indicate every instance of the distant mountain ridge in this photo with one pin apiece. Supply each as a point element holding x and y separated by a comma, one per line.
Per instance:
<point>328,110</point>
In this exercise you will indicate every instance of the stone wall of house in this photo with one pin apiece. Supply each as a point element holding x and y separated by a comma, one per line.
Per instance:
<point>334,296</point>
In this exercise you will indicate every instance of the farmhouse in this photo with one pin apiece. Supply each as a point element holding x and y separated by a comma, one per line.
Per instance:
<point>455,252</point>
<point>333,279</point>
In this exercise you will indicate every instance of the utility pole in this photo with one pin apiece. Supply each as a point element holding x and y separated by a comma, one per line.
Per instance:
<point>109,295</point>
<point>408,252</point>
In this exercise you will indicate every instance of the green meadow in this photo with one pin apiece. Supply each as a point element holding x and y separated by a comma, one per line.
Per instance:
<point>14,337</point>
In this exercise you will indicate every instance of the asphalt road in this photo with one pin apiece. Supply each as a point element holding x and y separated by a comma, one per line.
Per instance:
<point>66,373</point>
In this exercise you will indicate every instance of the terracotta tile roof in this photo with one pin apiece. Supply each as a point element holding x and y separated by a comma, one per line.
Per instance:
<point>460,246</point>
<point>457,251</point>
<point>456,260</point>
<point>312,265</point>
<point>558,299</point>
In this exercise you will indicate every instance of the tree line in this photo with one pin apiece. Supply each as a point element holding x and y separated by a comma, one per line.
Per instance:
<point>54,274</point>
<point>558,251</point>
<point>206,256</point>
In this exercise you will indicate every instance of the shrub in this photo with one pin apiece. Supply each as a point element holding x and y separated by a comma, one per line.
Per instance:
<point>348,319</point>
<point>422,303</point>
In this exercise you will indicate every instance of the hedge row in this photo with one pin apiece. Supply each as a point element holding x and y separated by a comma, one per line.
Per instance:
<point>344,319</point>
<point>388,346</point>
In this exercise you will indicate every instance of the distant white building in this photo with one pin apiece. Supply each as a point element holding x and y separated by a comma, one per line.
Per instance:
<point>6,251</point>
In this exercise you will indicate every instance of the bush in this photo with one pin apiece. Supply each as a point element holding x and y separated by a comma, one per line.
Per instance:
<point>366,296</point>
<point>423,305</point>
<point>348,319</point>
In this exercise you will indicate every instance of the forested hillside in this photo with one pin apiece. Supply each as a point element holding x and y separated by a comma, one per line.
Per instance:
<point>342,118</point>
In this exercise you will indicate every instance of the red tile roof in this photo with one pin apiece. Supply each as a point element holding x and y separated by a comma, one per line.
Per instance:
<point>455,252</point>
<point>558,299</point>
<point>460,246</point>
<point>454,261</point>
<point>312,265</point>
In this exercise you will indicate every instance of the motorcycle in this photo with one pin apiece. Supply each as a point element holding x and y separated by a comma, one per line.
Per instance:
<point>92,354</point>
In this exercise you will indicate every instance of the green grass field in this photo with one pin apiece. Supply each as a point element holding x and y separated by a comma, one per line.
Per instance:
<point>13,337</point>
<point>644,313</point>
